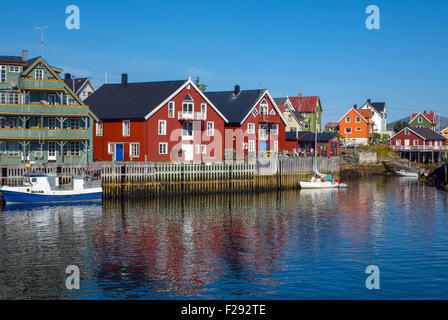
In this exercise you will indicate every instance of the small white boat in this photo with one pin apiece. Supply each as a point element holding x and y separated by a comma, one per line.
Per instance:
<point>41,188</point>
<point>318,184</point>
<point>407,174</point>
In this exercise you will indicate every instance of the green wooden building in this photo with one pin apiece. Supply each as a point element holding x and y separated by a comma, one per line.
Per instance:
<point>41,119</point>
<point>310,109</point>
<point>423,120</point>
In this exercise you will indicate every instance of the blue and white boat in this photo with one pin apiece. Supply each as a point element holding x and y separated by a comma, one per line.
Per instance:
<point>41,188</point>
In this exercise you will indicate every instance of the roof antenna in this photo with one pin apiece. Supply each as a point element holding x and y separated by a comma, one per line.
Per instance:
<point>105,76</point>
<point>41,28</point>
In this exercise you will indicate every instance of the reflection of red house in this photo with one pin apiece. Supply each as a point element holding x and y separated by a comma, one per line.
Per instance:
<point>155,121</point>
<point>305,142</point>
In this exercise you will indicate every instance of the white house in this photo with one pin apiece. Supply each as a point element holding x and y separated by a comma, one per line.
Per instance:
<point>82,87</point>
<point>378,115</point>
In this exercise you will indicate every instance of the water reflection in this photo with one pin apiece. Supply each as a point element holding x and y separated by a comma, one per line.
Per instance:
<point>294,244</point>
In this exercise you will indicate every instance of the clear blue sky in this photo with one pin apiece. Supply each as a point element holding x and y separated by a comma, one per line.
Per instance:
<point>312,47</point>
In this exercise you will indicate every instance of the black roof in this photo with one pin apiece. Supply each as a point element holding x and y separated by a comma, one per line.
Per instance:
<point>428,133</point>
<point>11,59</point>
<point>295,135</point>
<point>77,82</point>
<point>131,101</point>
<point>235,107</point>
<point>280,101</point>
<point>378,106</point>
<point>321,137</point>
<point>298,115</point>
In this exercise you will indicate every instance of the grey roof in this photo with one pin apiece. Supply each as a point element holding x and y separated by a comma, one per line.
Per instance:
<point>428,133</point>
<point>378,106</point>
<point>321,137</point>
<point>235,107</point>
<point>298,115</point>
<point>77,82</point>
<point>280,101</point>
<point>11,59</point>
<point>131,101</point>
<point>293,135</point>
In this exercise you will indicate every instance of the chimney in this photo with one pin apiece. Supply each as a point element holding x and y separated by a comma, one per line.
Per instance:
<point>368,100</point>
<point>355,107</point>
<point>299,95</point>
<point>24,55</point>
<point>124,79</point>
<point>67,76</point>
<point>237,89</point>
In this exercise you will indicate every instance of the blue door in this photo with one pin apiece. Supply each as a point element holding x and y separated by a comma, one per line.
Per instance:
<point>263,146</point>
<point>119,152</point>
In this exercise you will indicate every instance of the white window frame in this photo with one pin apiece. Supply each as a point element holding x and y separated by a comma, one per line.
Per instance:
<point>255,112</point>
<point>13,152</point>
<point>165,145</point>
<point>398,142</point>
<point>358,129</point>
<point>358,120</point>
<point>251,145</point>
<point>75,149</point>
<point>53,123</point>
<point>126,128</point>
<point>275,145</point>
<point>274,131</point>
<point>420,119</point>
<point>186,107</point>
<point>264,108</point>
<point>204,110</point>
<point>211,129</point>
<point>110,148</point>
<point>347,119</point>
<point>134,146</point>
<point>36,74</point>
<point>3,97</point>
<point>407,142</point>
<point>3,74</point>
<point>14,69</point>
<point>52,150</point>
<point>415,142</point>
<point>14,98</point>
<point>251,128</point>
<point>197,149</point>
<point>162,128</point>
<point>171,109</point>
<point>99,128</point>
<point>346,130</point>
<point>75,123</point>
<point>188,136</point>
<point>203,149</point>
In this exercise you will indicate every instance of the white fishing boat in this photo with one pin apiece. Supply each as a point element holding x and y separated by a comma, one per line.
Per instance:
<point>407,174</point>
<point>42,188</point>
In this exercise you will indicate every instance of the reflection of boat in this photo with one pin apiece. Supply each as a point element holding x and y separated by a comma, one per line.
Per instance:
<point>40,188</point>
<point>408,174</point>
<point>34,206</point>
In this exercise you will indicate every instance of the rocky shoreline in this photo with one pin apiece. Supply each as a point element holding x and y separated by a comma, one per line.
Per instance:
<point>438,177</point>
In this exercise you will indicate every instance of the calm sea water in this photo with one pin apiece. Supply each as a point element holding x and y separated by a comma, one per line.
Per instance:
<point>284,245</point>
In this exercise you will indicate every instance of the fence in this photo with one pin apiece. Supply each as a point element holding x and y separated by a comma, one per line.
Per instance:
<point>147,179</point>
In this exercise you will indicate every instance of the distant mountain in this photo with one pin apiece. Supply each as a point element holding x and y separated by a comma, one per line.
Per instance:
<point>443,123</point>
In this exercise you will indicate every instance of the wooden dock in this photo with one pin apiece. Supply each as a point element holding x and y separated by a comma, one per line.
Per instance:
<point>147,179</point>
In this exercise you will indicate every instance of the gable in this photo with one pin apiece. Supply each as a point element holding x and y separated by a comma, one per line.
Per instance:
<point>266,97</point>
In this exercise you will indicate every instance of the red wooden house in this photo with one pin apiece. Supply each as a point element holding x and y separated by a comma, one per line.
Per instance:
<point>304,143</point>
<point>417,139</point>
<point>255,123</point>
<point>156,121</point>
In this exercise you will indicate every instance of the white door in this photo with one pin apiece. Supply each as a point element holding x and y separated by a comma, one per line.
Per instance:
<point>188,152</point>
<point>51,151</point>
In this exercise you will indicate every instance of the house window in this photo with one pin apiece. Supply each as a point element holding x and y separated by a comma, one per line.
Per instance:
<point>13,149</point>
<point>251,145</point>
<point>75,124</point>
<point>197,149</point>
<point>14,69</point>
<point>39,74</point>
<point>204,110</point>
<point>348,130</point>
<point>290,118</point>
<point>358,129</point>
<point>52,98</point>
<point>111,148</point>
<point>430,143</point>
<point>99,129</point>
<point>162,127</point>
<point>274,129</point>
<point>75,148</point>
<point>264,108</point>
<point>126,128</point>
<point>251,128</point>
<point>347,119</point>
<point>255,112</point>
<point>134,150</point>
<point>51,149</point>
<point>204,149</point>
<point>275,145</point>
<point>52,123</point>
<point>210,128</point>
<point>187,130</point>
<point>171,109</point>
<point>2,97</point>
<point>163,148</point>
<point>14,98</point>
<point>187,108</point>
<point>358,119</point>
<point>406,142</point>
<point>406,131</point>
<point>263,131</point>
<point>415,142</point>
<point>420,119</point>
<point>398,142</point>
<point>3,74</point>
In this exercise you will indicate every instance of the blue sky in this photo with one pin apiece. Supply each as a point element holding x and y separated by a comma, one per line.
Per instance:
<point>312,47</point>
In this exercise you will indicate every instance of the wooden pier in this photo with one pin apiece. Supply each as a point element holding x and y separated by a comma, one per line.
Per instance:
<point>147,179</point>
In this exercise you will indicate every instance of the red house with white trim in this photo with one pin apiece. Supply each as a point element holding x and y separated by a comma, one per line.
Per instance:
<point>417,139</point>
<point>156,121</point>
<point>255,123</point>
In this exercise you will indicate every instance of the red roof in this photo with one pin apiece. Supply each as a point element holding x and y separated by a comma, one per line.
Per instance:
<point>429,116</point>
<point>366,113</point>
<point>282,108</point>
<point>304,104</point>
<point>331,124</point>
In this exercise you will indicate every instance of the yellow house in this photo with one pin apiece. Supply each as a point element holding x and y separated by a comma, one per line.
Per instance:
<point>292,116</point>
<point>444,133</point>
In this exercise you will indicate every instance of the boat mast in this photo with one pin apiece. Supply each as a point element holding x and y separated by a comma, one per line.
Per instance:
<point>315,142</point>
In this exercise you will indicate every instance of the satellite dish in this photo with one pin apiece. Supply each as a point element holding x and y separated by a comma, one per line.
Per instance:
<point>13,83</point>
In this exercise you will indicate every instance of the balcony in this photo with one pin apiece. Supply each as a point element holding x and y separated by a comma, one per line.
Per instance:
<point>44,84</point>
<point>42,134</point>
<point>43,109</point>
<point>191,116</point>
<point>420,148</point>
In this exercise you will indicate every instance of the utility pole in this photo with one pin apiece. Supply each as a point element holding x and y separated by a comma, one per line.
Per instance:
<point>41,28</point>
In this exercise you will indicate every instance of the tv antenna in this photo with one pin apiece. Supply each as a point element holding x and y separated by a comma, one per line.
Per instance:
<point>41,28</point>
